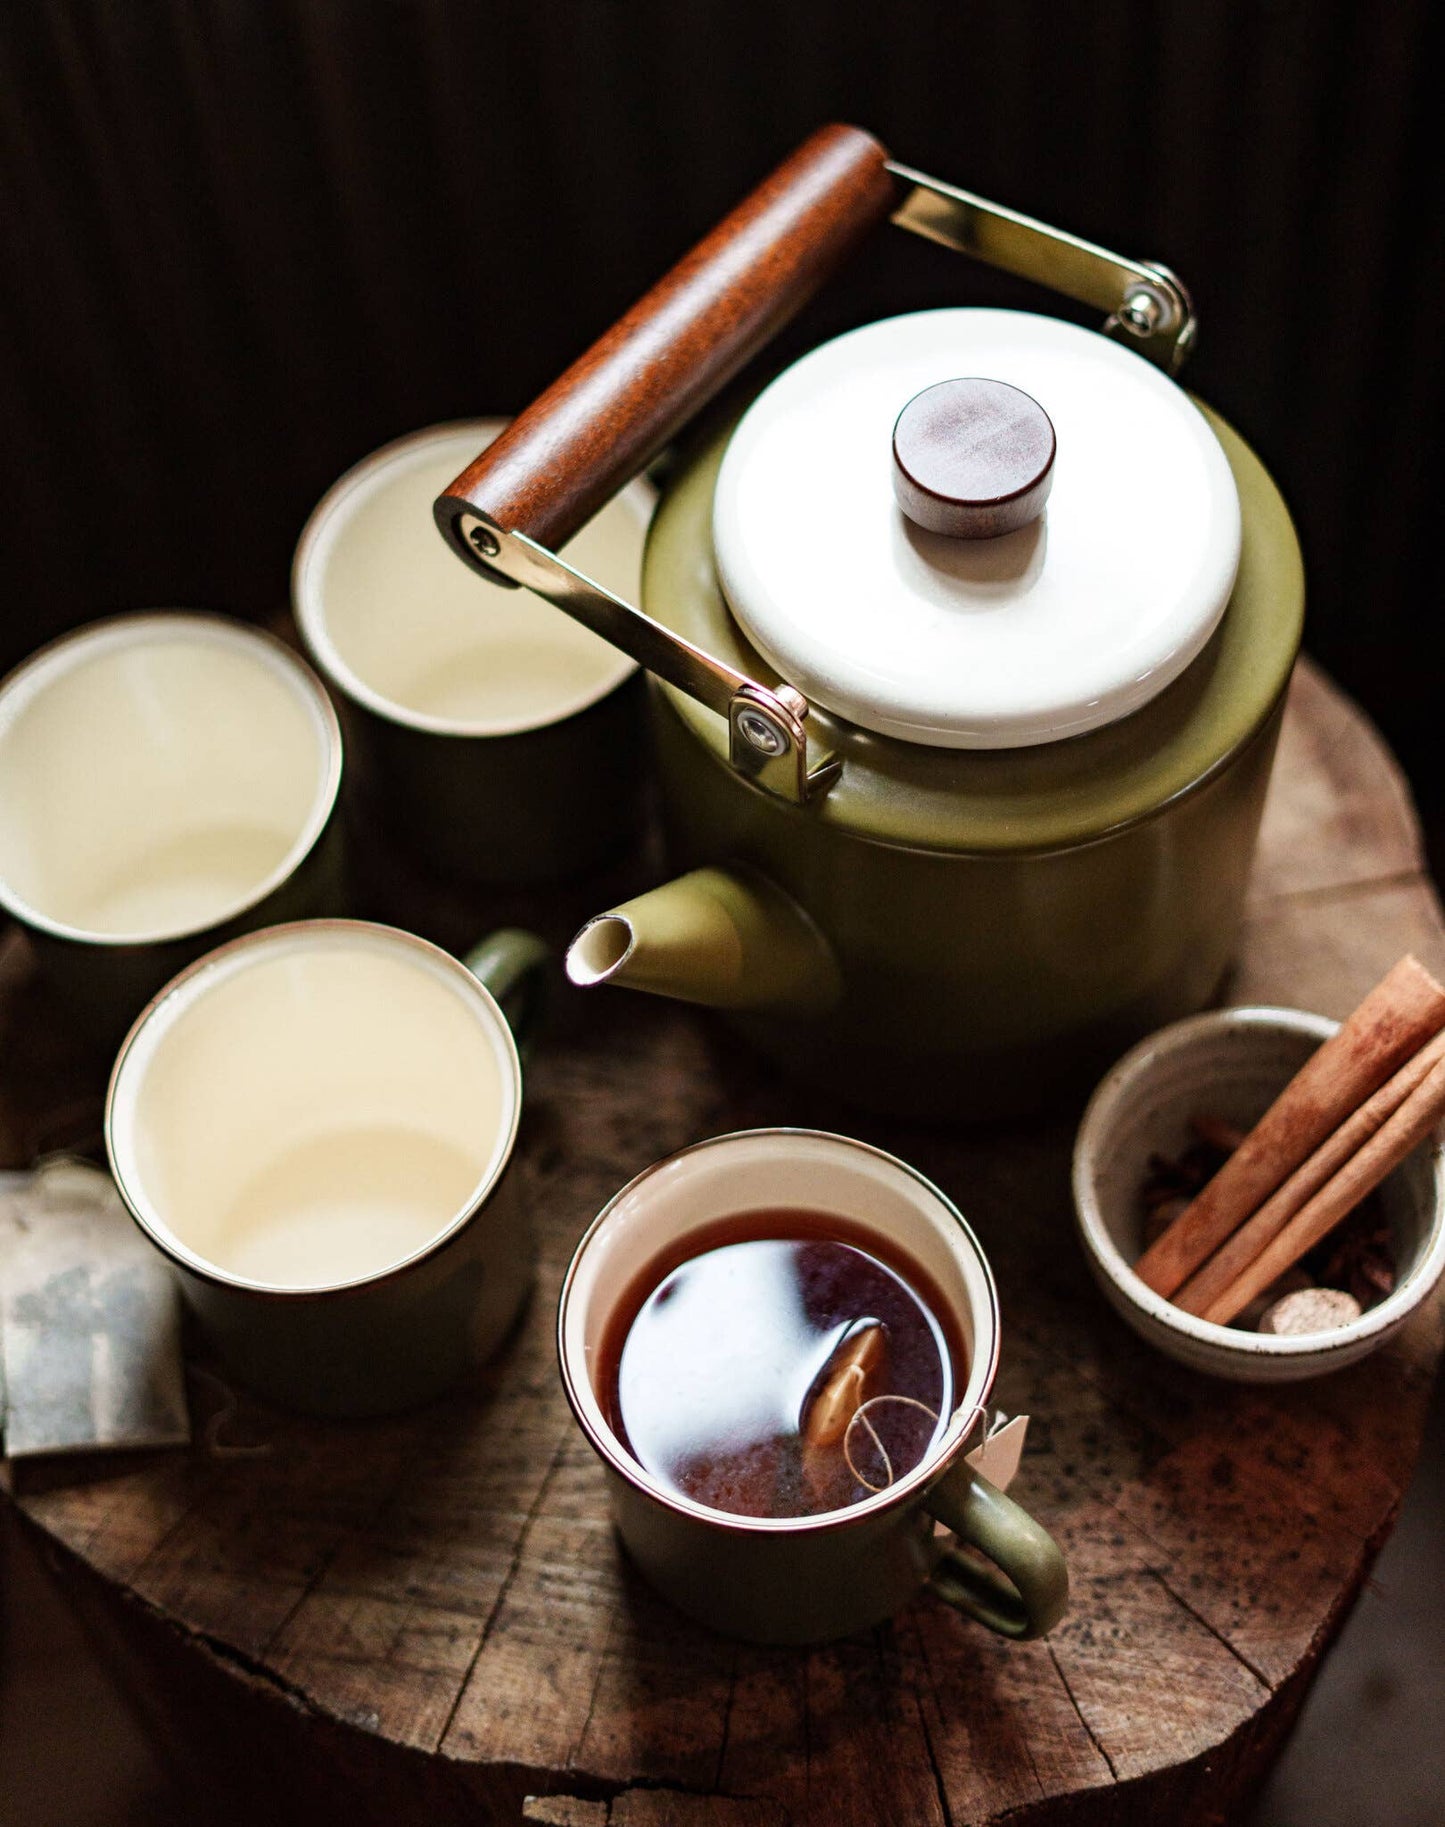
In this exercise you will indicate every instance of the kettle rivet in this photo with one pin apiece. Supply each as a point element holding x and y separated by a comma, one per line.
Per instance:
<point>1142,310</point>
<point>485,541</point>
<point>762,733</point>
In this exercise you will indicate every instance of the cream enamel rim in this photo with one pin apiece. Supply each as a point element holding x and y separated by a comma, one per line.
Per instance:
<point>1109,1260</point>
<point>953,1441</point>
<point>155,1227</point>
<point>28,679</point>
<point>316,535</point>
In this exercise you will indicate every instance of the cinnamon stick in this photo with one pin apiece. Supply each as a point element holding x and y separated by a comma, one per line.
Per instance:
<point>1360,1175</point>
<point>1237,1252</point>
<point>1404,1010</point>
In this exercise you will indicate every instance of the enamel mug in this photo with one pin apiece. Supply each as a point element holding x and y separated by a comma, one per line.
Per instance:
<point>808,1579</point>
<point>315,1125</point>
<point>167,781</point>
<point>493,736</point>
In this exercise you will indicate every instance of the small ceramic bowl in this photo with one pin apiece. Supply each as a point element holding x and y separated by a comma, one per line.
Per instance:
<point>1231,1063</point>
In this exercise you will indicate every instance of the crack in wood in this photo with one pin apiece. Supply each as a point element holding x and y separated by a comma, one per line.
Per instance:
<point>1094,1738</point>
<point>880,1641</point>
<point>234,1656</point>
<point>920,1644</point>
<point>228,1654</point>
<point>938,1783</point>
<point>727,1720</point>
<point>508,1578</point>
<point>920,1647</point>
<point>540,1809</point>
<point>881,1636</point>
<point>575,1751</point>
<point>1218,1635</point>
<point>611,1791</point>
<point>345,1535</point>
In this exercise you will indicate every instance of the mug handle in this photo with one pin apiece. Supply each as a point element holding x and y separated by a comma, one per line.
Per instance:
<point>1025,1592</point>
<point>512,963</point>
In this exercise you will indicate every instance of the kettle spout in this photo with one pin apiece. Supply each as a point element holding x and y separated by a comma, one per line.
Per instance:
<point>726,938</point>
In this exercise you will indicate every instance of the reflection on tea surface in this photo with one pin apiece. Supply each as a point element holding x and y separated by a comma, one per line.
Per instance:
<point>783,1374</point>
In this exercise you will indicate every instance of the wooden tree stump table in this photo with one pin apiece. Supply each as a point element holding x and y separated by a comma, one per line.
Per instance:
<point>429,1618</point>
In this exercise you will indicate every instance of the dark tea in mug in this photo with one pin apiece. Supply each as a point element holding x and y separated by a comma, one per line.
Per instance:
<point>780,1364</point>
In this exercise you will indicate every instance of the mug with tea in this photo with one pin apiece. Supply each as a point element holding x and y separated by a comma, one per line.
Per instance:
<point>492,734</point>
<point>167,780</point>
<point>315,1124</point>
<point>779,1342</point>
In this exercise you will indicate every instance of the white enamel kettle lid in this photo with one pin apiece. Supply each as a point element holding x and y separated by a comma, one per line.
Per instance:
<point>1065,624</point>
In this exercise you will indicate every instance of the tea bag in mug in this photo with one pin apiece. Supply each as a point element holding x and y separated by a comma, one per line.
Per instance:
<point>851,1384</point>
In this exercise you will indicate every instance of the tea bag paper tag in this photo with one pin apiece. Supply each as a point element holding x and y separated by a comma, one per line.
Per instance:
<point>999,1453</point>
<point>90,1350</point>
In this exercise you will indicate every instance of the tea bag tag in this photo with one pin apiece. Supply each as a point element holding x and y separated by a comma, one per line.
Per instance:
<point>90,1354</point>
<point>997,1456</point>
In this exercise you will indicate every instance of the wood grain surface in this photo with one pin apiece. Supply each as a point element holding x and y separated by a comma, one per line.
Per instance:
<point>429,1618</point>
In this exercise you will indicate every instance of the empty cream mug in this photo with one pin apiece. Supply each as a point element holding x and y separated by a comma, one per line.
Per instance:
<point>315,1124</point>
<point>807,1579</point>
<point>496,737</point>
<point>166,780</point>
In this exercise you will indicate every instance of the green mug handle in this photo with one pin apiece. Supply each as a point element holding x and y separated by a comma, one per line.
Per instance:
<point>1025,1592</point>
<point>513,965</point>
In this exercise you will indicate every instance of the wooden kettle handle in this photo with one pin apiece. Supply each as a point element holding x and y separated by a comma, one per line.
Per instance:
<point>615,408</point>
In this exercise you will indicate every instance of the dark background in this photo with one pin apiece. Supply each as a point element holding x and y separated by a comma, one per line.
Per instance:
<point>247,241</point>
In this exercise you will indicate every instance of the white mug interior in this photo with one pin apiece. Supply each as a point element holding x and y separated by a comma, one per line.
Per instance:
<point>313,1106</point>
<point>405,628</point>
<point>762,1169</point>
<point>159,774</point>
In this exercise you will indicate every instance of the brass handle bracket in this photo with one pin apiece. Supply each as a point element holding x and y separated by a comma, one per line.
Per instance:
<point>1147,307</point>
<point>816,206</point>
<point>768,740</point>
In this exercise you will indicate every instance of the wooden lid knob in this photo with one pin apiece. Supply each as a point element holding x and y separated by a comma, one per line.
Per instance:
<point>973,458</point>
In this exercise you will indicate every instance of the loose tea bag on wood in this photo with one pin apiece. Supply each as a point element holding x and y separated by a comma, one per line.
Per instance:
<point>90,1352</point>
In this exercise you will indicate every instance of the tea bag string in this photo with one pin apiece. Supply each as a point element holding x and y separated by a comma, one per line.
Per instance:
<point>860,1414</point>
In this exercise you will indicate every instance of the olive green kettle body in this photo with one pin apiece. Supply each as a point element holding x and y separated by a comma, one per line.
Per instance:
<point>955,818</point>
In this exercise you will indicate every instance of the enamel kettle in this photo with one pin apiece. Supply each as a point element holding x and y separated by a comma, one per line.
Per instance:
<point>969,638</point>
